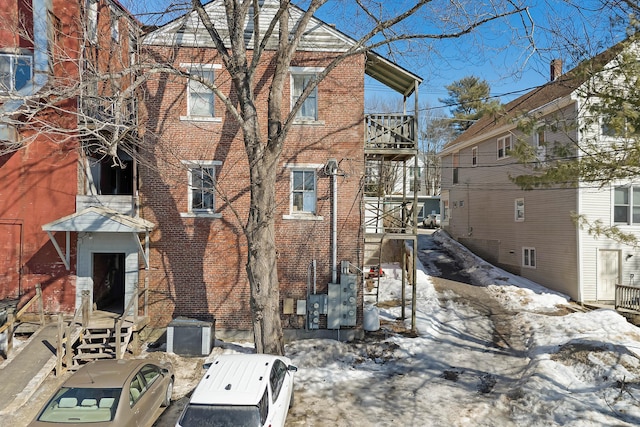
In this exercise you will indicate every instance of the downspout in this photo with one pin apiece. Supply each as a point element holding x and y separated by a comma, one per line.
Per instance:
<point>332,169</point>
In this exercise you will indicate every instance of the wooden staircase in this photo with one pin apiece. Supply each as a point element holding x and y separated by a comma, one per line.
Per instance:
<point>100,341</point>
<point>373,258</point>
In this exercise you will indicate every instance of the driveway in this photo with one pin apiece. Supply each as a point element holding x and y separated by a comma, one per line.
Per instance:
<point>449,278</point>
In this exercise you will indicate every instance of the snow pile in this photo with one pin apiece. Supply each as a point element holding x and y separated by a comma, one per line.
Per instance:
<point>473,364</point>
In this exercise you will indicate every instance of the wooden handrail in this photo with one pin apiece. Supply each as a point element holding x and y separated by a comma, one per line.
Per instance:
<point>12,318</point>
<point>18,315</point>
<point>120,320</point>
<point>627,297</point>
<point>64,350</point>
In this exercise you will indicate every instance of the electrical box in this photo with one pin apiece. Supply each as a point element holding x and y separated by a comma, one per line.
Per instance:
<point>334,306</point>
<point>348,297</point>
<point>301,307</point>
<point>317,305</point>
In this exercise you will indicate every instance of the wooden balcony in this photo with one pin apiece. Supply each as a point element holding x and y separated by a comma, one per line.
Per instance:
<point>103,111</point>
<point>392,136</point>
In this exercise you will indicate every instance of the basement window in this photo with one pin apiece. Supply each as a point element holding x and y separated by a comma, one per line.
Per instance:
<point>529,257</point>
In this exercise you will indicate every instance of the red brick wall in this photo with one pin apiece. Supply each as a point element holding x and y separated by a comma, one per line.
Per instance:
<point>198,265</point>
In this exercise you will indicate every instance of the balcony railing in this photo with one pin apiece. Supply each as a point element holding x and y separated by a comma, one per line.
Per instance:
<point>104,109</point>
<point>628,297</point>
<point>390,132</point>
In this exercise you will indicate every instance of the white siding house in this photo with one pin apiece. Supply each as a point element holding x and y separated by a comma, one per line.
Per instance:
<point>533,232</point>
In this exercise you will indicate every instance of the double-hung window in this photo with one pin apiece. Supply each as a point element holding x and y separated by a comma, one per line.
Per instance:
<point>529,257</point>
<point>301,77</point>
<point>626,205</point>
<point>15,72</point>
<point>474,156</point>
<point>202,181</point>
<point>504,146</point>
<point>519,210</point>
<point>200,96</point>
<point>303,192</point>
<point>540,144</point>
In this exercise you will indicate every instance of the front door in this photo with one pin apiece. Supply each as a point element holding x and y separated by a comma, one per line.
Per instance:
<point>608,274</point>
<point>108,281</point>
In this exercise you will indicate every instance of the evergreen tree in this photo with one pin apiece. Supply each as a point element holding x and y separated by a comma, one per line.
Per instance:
<point>469,99</point>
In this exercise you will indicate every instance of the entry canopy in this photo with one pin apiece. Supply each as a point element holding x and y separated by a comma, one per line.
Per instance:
<point>99,219</point>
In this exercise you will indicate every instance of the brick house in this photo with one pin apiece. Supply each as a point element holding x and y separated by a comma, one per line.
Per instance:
<point>198,268</point>
<point>144,217</point>
<point>53,103</point>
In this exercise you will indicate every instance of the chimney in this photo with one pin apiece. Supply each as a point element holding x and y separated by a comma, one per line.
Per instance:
<point>556,69</point>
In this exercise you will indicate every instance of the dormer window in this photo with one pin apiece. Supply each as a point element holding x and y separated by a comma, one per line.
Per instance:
<point>15,72</point>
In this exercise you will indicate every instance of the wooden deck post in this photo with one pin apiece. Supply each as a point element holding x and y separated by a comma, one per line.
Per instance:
<point>40,303</point>
<point>68,355</point>
<point>118,331</point>
<point>59,348</point>
<point>85,309</point>
<point>10,322</point>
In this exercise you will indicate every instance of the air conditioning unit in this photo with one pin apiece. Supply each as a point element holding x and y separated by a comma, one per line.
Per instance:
<point>190,337</point>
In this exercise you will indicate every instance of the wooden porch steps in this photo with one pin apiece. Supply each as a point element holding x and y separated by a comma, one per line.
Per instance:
<point>100,342</point>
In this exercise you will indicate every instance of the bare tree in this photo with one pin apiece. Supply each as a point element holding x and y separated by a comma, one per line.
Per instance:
<point>104,93</point>
<point>382,26</point>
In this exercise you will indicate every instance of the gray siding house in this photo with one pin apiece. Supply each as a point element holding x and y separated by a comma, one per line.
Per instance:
<point>532,233</point>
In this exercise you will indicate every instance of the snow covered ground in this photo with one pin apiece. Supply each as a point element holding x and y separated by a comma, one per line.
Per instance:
<point>506,352</point>
<point>577,369</point>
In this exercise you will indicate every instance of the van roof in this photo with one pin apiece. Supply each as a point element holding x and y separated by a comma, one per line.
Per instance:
<point>235,379</point>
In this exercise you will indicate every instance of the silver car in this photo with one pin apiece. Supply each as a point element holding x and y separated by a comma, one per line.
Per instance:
<point>431,221</point>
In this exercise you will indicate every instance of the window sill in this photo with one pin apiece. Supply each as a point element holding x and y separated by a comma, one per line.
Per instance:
<point>303,217</point>
<point>200,215</point>
<point>302,122</point>
<point>200,119</point>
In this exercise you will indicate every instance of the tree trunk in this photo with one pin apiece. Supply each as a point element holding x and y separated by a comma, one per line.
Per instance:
<point>261,266</point>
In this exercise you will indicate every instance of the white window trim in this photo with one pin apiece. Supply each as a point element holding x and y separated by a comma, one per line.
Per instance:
<point>13,60</point>
<point>305,216</point>
<point>305,70</point>
<point>197,164</point>
<point>541,150</point>
<point>188,117</point>
<point>474,156</point>
<point>115,25</point>
<point>502,142</point>
<point>629,188</point>
<point>92,20</point>
<point>535,260</point>
<point>515,207</point>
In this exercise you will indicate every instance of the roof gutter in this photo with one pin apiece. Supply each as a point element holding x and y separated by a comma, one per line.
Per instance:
<point>543,110</point>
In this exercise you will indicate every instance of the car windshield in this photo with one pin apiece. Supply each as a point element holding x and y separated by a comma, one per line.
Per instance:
<point>220,416</point>
<point>81,405</point>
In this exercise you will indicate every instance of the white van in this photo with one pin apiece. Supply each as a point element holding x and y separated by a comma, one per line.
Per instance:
<point>252,390</point>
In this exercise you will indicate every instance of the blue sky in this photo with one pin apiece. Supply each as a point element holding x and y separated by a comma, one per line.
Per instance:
<point>501,52</point>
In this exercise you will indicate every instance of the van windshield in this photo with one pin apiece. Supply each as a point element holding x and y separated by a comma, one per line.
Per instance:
<point>220,416</point>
